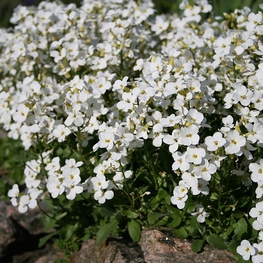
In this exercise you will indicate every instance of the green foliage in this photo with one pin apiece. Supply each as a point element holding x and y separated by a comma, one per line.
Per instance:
<point>134,229</point>
<point>216,241</point>
<point>12,162</point>
<point>224,6</point>
<point>105,230</point>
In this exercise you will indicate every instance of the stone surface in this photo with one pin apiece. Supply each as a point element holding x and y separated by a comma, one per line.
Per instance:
<point>161,246</point>
<point>19,237</point>
<point>111,251</point>
<point>155,246</point>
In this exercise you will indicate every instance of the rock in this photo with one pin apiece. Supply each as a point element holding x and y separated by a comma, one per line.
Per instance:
<point>155,246</point>
<point>162,246</point>
<point>7,228</point>
<point>111,251</point>
<point>47,254</point>
<point>20,234</point>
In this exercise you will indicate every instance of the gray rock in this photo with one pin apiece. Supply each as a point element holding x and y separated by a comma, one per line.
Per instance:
<point>19,237</point>
<point>155,246</point>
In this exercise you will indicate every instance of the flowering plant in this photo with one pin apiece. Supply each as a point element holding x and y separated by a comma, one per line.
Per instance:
<point>138,120</point>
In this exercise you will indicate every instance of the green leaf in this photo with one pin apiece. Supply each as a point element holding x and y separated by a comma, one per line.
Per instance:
<point>214,196</point>
<point>181,232</point>
<point>192,227</point>
<point>216,241</point>
<point>130,214</point>
<point>49,223</point>
<point>153,217</point>
<point>71,230</point>
<point>105,230</point>
<point>238,214</point>
<point>162,221</point>
<point>58,217</point>
<point>154,203</point>
<point>143,189</point>
<point>105,212</point>
<point>175,222</point>
<point>228,231</point>
<point>233,246</point>
<point>241,227</point>
<point>162,194</point>
<point>134,229</point>
<point>197,245</point>
<point>43,240</point>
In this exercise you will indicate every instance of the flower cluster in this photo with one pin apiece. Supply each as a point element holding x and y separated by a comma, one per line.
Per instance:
<point>109,80</point>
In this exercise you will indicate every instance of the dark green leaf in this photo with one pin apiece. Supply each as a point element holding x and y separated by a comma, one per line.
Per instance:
<point>71,230</point>
<point>192,227</point>
<point>143,189</point>
<point>238,214</point>
<point>154,203</point>
<point>216,241</point>
<point>162,221</point>
<point>233,246</point>
<point>241,227</point>
<point>181,232</point>
<point>43,240</point>
<point>134,229</point>
<point>153,217</point>
<point>162,194</point>
<point>214,196</point>
<point>197,245</point>
<point>130,214</point>
<point>175,222</point>
<point>105,230</point>
<point>105,212</point>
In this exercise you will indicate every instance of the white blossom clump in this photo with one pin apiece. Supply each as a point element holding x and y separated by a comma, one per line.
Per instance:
<point>110,78</point>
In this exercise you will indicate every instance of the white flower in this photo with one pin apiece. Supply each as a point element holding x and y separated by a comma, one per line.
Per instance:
<point>214,142</point>
<point>172,140</point>
<point>201,214</point>
<point>191,179</point>
<point>246,250</point>
<point>101,196</point>
<point>160,25</point>
<point>257,256</point>
<point>72,190</point>
<point>127,102</point>
<point>53,166</point>
<point>71,175</point>
<point>61,132</point>
<point>21,113</point>
<point>222,45</point>
<point>55,186</point>
<point>181,190</point>
<point>257,171</point>
<point>120,84</point>
<point>242,94</point>
<point>195,155</point>
<point>189,135</point>
<point>178,200</point>
<point>201,187</point>
<point>180,162</point>
<point>14,194</point>
<point>205,169</point>
<point>259,190</point>
<point>234,142</point>
<point>99,182</point>
<point>106,140</point>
